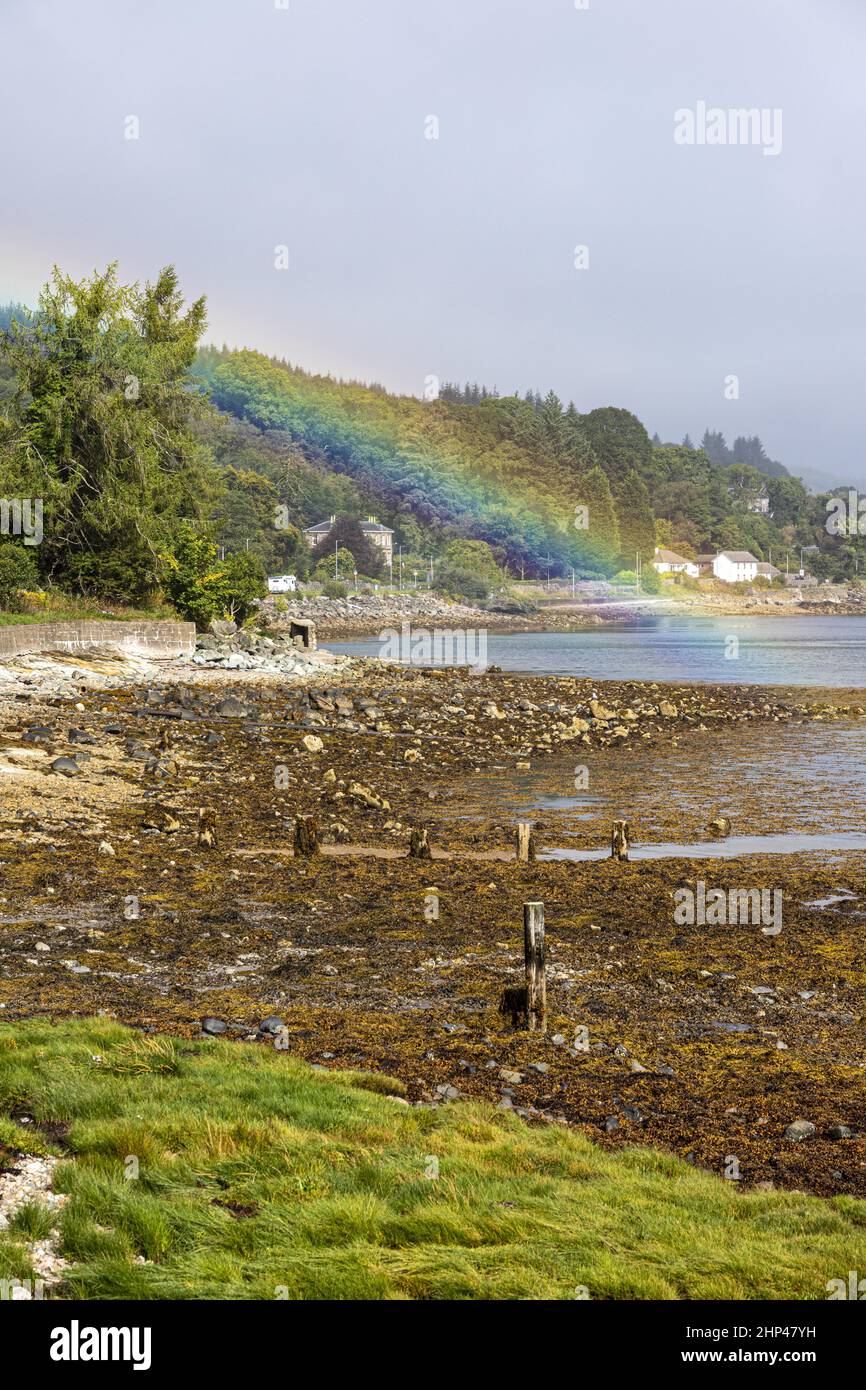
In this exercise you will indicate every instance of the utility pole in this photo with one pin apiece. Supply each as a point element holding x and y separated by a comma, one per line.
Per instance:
<point>401,569</point>
<point>336,560</point>
<point>572,581</point>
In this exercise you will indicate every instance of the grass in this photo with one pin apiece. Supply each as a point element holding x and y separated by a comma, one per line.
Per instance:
<point>55,607</point>
<point>217,1170</point>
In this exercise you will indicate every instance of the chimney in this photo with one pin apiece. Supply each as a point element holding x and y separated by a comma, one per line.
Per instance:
<point>333,519</point>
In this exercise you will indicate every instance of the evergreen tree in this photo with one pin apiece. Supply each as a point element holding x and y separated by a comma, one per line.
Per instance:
<point>552,421</point>
<point>620,443</point>
<point>715,448</point>
<point>636,521</point>
<point>100,427</point>
<point>597,544</point>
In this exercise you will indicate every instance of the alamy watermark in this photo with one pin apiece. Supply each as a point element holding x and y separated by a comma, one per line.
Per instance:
<point>22,516</point>
<point>714,907</point>
<point>712,125</point>
<point>419,646</point>
<point>853,1288</point>
<point>846,516</point>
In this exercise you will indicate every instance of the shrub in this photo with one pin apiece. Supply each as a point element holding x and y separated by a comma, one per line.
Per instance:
<point>345,566</point>
<point>17,574</point>
<point>462,583</point>
<point>201,588</point>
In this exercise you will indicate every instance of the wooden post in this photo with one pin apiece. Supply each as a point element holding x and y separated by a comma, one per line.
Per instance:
<point>533,953</point>
<point>306,836</point>
<point>418,846</point>
<point>206,830</point>
<point>525,843</point>
<point>619,840</point>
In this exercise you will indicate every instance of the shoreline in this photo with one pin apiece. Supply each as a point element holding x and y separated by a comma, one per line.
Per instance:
<point>682,1031</point>
<point>342,620</point>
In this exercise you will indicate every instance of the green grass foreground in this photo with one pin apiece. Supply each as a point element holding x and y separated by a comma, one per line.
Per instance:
<point>260,1177</point>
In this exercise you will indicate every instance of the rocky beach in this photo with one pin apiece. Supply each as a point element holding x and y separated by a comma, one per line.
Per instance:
<point>149,874</point>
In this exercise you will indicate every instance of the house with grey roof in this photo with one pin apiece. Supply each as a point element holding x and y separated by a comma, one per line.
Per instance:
<point>734,566</point>
<point>373,530</point>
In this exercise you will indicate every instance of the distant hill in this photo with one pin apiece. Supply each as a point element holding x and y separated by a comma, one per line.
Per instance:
<point>511,470</point>
<point>545,486</point>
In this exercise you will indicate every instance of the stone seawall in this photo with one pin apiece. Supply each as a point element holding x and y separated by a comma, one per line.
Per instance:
<point>155,640</point>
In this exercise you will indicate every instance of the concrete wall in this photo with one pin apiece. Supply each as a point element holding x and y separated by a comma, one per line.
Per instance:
<point>158,641</point>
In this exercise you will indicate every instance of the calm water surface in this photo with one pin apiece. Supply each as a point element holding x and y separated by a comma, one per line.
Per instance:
<point>767,651</point>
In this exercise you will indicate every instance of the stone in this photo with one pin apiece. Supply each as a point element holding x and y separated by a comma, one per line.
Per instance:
<point>838,1132</point>
<point>222,628</point>
<point>232,709</point>
<point>272,1024</point>
<point>600,711</point>
<point>367,797</point>
<point>799,1130</point>
<point>68,767</point>
<point>312,743</point>
<point>214,1026</point>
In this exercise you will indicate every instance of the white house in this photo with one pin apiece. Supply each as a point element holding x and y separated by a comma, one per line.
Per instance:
<point>733,566</point>
<point>669,562</point>
<point>373,530</point>
<point>767,571</point>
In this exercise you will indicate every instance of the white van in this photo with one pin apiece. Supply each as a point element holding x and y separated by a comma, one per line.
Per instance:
<point>282,584</point>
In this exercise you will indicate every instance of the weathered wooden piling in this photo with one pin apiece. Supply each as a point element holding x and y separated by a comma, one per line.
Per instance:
<point>513,1004</point>
<point>525,843</point>
<point>418,845</point>
<point>536,979</point>
<point>619,840</point>
<point>306,836</point>
<point>206,829</point>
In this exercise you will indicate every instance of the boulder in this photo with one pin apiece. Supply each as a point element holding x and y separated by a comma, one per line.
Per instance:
<point>799,1130</point>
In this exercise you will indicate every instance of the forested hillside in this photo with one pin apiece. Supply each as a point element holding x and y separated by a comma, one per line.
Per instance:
<point>138,441</point>
<point>514,471</point>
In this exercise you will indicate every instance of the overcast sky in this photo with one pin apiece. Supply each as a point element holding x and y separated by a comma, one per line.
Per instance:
<point>307,126</point>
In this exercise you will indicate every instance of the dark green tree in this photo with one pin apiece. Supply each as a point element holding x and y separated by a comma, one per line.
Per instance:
<point>619,442</point>
<point>346,534</point>
<point>636,521</point>
<point>100,427</point>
